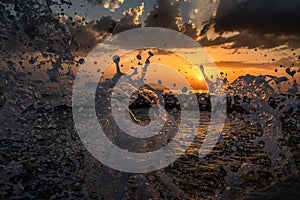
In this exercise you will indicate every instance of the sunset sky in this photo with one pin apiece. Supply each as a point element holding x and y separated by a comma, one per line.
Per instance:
<point>241,36</point>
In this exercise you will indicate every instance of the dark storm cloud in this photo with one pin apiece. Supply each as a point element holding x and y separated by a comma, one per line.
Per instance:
<point>165,14</point>
<point>190,30</point>
<point>105,24</point>
<point>84,39</point>
<point>252,40</point>
<point>262,24</point>
<point>279,17</point>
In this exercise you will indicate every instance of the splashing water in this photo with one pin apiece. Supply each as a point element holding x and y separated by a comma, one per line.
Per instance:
<point>42,154</point>
<point>256,142</point>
